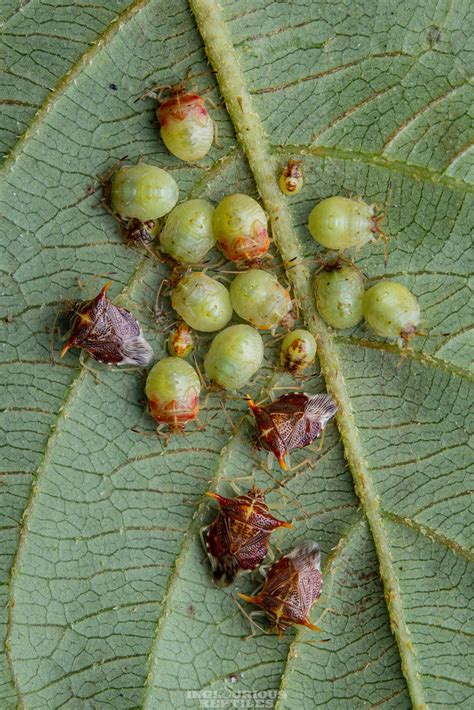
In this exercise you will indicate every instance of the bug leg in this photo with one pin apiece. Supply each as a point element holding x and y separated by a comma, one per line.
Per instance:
<point>250,618</point>
<point>202,532</point>
<point>87,368</point>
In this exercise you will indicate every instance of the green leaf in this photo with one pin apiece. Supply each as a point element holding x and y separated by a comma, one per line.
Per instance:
<point>107,599</point>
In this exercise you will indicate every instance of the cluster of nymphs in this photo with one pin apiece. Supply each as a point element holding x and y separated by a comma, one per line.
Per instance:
<point>388,307</point>
<point>139,196</point>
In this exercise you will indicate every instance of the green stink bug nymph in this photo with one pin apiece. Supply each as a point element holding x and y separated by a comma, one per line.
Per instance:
<point>202,302</point>
<point>240,226</point>
<point>391,310</point>
<point>339,289</point>
<point>259,298</point>
<point>172,389</point>
<point>341,223</point>
<point>144,192</point>
<point>298,351</point>
<point>187,130</point>
<point>235,355</point>
<point>188,234</point>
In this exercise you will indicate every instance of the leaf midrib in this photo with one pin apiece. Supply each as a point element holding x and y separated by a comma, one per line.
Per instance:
<point>249,128</point>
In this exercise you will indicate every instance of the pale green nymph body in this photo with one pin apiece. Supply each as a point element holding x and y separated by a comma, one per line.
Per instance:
<point>259,298</point>
<point>240,226</point>
<point>298,351</point>
<point>202,302</point>
<point>187,130</point>
<point>341,223</point>
<point>188,234</point>
<point>391,310</point>
<point>144,192</point>
<point>172,389</point>
<point>234,357</point>
<point>339,294</point>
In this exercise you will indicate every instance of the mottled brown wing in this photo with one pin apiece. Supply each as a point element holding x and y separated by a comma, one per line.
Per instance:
<point>280,578</point>
<point>317,411</point>
<point>112,328</point>
<point>252,552</point>
<point>218,539</point>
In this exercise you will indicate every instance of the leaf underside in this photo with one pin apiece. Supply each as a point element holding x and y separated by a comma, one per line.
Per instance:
<point>107,599</point>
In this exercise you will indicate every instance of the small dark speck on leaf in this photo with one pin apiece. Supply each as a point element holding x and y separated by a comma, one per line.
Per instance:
<point>434,35</point>
<point>114,87</point>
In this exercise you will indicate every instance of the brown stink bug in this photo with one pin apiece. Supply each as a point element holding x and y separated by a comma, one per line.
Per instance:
<point>109,333</point>
<point>292,421</point>
<point>291,587</point>
<point>238,538</point>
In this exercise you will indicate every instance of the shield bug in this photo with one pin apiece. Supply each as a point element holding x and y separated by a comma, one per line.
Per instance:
<point>110,334</point>
<point>339,289</point>
<point>202,302</point>
<point>188,234</point>
<point>341,223</point>
<point>292,421</point>
<point>142,192</point>
<point>259,298</point>
<point>172,389</point>
<point>240,226</point>
<point>291,587</point>
<point>391,310</point>
<point>186,128</point>
<point>235,355</point>
<point>239,537</point>
<point>291,179</point>
<point>298,351</point>
<point>180,341</point>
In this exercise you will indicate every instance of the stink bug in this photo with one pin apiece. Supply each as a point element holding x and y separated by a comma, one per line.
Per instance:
<point>291,587</point>
<point>291,179</point>
<point>238,538</point>
<point>292,421</point>
<point>109,333</point>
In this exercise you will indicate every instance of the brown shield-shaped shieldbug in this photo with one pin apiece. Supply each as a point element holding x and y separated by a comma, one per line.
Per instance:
<point>292,421</point>
<point>291,587</point>
<point>238,538</point>
<point>110,334</point>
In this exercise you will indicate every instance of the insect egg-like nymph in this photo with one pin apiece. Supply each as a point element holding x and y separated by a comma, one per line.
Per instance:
<point>291,179</point>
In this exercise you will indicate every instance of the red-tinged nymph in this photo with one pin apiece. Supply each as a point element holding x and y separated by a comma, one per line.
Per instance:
<point>291,587</point>
<point>292,421</point>
<point>110,334</point>
<point>187,129</point>
<point>238,538</point>
<point>172,389</point>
